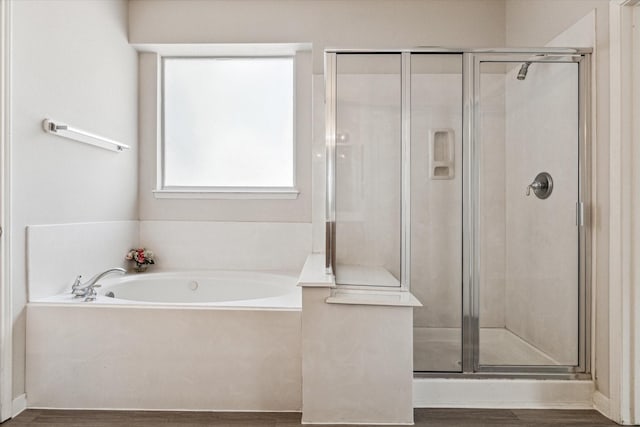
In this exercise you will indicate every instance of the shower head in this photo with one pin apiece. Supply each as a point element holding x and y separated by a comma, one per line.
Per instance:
<point>522,74</point>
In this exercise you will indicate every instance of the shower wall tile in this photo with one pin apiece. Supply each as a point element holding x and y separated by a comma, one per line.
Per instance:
<point>491,197</point>
<point>368,163</point>
<point>541,235</point>
<point>436,204</point>
<point>56,254</point>
<point>183,245</point>
<point>318,165</point>
<point>436,211</point>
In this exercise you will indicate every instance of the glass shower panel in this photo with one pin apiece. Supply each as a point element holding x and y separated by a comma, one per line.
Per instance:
<point>436,210</point>
<point>528,238</point>
<point>368,169</point>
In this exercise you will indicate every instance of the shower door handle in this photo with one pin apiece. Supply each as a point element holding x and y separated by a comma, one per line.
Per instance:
<point>542,186</point>
<point>580,214</point>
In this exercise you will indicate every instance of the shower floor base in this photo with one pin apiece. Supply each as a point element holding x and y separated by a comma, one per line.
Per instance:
<point>440,349</point>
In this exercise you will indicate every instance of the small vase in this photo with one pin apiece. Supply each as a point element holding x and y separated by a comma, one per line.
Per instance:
<point>140,268</point>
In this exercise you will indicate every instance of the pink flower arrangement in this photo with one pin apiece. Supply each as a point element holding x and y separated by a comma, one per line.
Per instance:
<point>140,256</point>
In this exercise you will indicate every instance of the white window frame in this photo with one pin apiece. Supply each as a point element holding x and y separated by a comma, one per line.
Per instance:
<point>163,191</point>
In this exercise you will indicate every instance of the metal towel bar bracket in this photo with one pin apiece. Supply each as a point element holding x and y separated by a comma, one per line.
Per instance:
<point>64,130</point>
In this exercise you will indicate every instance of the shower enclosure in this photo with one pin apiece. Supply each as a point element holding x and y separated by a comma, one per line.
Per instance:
<point>461,175</point>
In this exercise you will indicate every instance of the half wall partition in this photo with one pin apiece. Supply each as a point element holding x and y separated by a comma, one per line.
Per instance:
<point>462,176</point>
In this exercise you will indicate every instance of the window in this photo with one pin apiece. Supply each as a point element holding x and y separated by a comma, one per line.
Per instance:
<point>228,125</point>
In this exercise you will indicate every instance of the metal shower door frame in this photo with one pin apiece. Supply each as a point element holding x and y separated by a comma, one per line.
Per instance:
<point>471,277</point>
<point>331,87</point>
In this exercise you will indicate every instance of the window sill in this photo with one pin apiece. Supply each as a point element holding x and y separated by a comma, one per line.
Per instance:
<point>286,193</point>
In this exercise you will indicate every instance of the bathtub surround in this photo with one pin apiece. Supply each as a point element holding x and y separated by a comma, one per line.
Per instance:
<point>88,248</point>
<point>80,249</point>
<point>232,357</point>
<point>227,245</point>
<point>86,356</point>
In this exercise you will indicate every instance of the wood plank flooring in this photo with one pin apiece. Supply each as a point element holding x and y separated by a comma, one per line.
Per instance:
<point>423,417</point>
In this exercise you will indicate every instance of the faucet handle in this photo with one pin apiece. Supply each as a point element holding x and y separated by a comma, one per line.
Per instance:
<point>535,185</point>
<point>542,186</point>
<point>76,283</point>
<point>91,294</point>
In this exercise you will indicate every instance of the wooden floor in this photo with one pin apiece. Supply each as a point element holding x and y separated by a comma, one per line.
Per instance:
<point>423,417</point>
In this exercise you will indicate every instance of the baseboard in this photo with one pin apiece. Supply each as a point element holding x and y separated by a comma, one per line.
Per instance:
<point>105,408</point>
<point>502,393</point>
<point>311,423</point>
<point>602,404</point>
<point>19,404</point>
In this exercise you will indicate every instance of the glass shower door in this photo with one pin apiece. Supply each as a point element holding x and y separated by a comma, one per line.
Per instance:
<point>368,169</point>
<point>436,210</point>
<point>528,213</point>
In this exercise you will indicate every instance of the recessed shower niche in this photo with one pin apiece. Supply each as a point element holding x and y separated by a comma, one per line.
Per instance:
<point>461,175</point>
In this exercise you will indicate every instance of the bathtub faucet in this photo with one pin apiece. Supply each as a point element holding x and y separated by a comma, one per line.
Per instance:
<point>88,290</point>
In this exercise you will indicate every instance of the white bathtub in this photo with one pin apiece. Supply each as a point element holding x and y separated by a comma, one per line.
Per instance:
<point>203,340</point>
<point>206,288</point>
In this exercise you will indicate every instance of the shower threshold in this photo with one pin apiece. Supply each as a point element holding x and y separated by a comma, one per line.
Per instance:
<point>439,349</point>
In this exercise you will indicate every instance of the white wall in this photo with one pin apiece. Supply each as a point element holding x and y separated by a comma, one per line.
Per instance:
<point>535,23</point>
<point>71,62</point>
<point>340,23</point>
<point>323,24</point>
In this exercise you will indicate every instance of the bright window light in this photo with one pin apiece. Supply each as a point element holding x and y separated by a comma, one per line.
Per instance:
<point>228,122</point>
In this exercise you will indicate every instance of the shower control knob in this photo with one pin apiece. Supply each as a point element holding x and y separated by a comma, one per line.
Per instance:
<point>535,185</point>
<point>542,186</point>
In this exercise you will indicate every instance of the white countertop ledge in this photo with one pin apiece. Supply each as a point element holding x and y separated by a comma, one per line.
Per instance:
<point>397,298</point>
<point>313,273</point>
